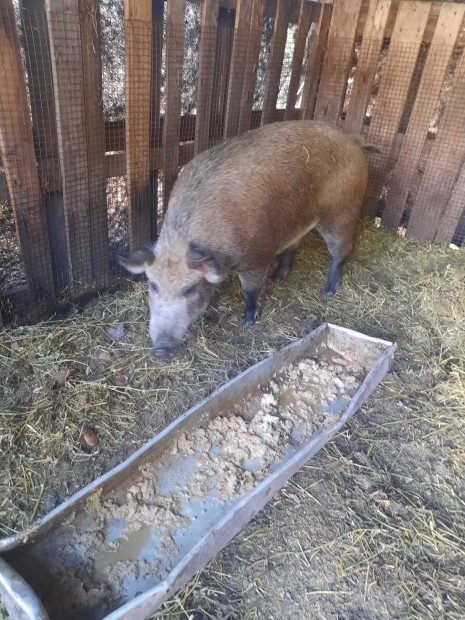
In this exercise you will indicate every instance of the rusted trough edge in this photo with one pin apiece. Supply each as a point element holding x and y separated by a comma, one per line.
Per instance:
<point>231,524</point>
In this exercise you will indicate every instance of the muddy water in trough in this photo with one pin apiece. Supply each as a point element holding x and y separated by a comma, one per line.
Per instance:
<point>121,544</point>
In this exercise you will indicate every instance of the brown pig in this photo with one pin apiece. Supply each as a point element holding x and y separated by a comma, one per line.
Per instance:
<point>241,204</point>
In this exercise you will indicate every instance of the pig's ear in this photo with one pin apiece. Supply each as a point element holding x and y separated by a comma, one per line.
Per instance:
<point>138,261</point>
<point>202,259</point>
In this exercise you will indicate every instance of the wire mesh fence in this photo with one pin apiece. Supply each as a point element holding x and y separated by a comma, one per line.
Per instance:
<point>102,106</point>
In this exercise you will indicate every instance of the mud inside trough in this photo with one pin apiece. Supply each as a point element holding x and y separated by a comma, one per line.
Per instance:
<point>124,541</point>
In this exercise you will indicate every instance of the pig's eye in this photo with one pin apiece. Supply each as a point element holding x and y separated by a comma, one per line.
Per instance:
<point>189,290</point>
<point>153,288</point>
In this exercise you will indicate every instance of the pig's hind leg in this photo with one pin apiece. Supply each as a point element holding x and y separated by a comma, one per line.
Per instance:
<point>340,245</point>
<point>252,283</point>
<point>285,261</point>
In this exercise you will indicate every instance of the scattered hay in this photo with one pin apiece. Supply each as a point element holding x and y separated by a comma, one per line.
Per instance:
<point>373,525</point>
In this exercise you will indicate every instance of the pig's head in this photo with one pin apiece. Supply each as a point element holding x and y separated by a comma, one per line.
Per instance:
<point>180,286</point>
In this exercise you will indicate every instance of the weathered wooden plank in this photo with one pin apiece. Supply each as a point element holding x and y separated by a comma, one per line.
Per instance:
<point>430,26</point>
<point>337,59</point>
<point>223,49</point>
<point>454,211</point>
<point>275,62</point>
<point>270,8</point>
<point>315,55</point>
<point>250,71</point>
<point>68,81</point>
<point>238,61</point>
<point>447,29</point>
<point>208,32</point>
<point>403,52</point>
<point>40,83</point>
<point>372,42</point>
<point>138,54</point>
<point>17,148</point>
<point>443,167</point>
<point>303,26</point>
<point>95,136</point>
<point>172,124</point>
<point>158,7</point>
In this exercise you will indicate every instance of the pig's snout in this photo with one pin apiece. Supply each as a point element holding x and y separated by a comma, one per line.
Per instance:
<point>164,350</point>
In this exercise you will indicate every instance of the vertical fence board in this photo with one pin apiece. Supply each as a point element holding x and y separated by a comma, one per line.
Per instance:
<point>275,61</point>
<point>337,60</point>
<point>68,79</point>
<point>444,37</point>
<point>303,26</point>
<point>208,32</point>
<point>238,61</point>
<point>172,124</point>
<point>250,71</point>
<point>372,42</point>
<point>223,49</point>
<point>44,128</point>
<point>95,134</point>
<point>455,209</point>
<point>17,150</point>
<point>158,7</point>
<point>315,55</point>
<point>443,167</point>
<point>138,54</point>
<point>403,51</point>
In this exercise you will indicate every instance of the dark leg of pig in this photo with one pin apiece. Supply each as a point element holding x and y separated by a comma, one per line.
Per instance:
<point>252,283</point>
<point>339,247</point>
<point>286,260</point>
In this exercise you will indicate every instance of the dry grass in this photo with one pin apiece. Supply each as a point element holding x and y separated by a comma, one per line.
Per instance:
<point>374,524</point>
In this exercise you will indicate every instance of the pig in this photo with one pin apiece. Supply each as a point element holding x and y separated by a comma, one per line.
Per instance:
<point>238,206</point>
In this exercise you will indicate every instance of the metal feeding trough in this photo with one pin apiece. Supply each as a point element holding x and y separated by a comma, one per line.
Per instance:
<point>125,543</point>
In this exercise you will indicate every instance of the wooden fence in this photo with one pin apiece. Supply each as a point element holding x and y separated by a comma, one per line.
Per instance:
<point>393,70</point>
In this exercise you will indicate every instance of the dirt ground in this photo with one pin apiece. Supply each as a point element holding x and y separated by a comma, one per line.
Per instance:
<point>371,528</point>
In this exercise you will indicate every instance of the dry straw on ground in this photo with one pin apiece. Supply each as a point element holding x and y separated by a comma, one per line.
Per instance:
<point>372,527</point>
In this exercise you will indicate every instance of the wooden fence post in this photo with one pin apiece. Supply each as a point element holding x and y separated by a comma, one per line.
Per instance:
<point>406,39</point>
<point>174,66</point>
<point>372,41</point>
<point>138,66</point>
<point>69,92</point>
<point>95,136</point>
<point>223,50</point>
<point>208,33</point>
<point>453,212</point>
<point>158,7</point>
<point>17,149</point>
<point>315,55</point>
<point>238,61</point>
<point>250,71</point>
<point>44,129</point>
<point>443,168</point>
<point>275,61</point>
<point>337,60</point>
<point>303,25</point>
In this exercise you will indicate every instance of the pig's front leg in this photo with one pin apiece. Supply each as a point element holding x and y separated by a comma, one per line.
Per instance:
<point>252,283</point>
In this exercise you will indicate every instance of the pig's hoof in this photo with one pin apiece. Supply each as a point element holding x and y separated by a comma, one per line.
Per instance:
<point>330,291</point>
<point>280,275</point>
<point>161,355</point>
<point>250,320</point>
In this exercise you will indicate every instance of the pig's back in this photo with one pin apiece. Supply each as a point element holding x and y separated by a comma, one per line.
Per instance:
<point>254,193</point>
